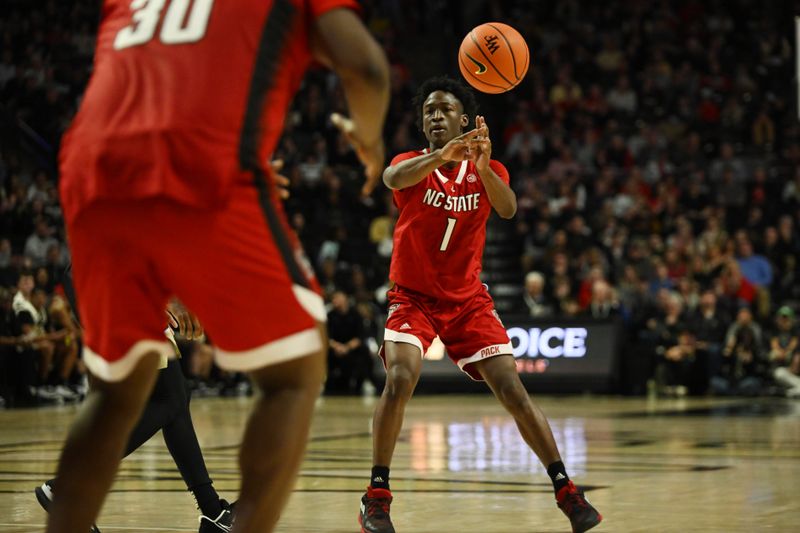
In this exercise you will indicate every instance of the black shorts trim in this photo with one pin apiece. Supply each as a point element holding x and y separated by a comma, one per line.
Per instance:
<point>270,50</point>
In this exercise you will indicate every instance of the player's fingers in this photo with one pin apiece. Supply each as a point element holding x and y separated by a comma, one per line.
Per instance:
<point>197,328</point>
<point>277,164</point>
<point>477,132</point>
<point>183,324</point>
<point>370,184</point>
<point>343,124</point>
<point>372,172</point>
<point>373,159</point>
<point>484,126</point>
<point>173,323</point>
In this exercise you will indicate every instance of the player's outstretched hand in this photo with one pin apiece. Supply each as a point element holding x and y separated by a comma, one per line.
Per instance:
<point>185,322</point>
<point>371,156</point>
<point>459,148</point>
<point>281,182</point>
<point>481,145</point>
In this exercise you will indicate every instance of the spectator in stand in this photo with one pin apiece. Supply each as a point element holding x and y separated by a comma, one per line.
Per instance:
<point>708,325</point>
<point>38,244</point>
<point>754,267</point>
<point>537,303</point>
<point>65,333</point>
<point>31,323</point>
<point>674,347</point>
<point>728,161</point>
<point>784,352</point>
<point>604,303</point>
<point>661,279</point>
<point>622,99</point>
<point>348,359</point>
<point>742,358</point>
<point>736,286</point>
<point>16,366</point>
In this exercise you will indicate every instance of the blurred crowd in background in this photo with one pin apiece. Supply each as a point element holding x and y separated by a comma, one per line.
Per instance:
<point>654,149</point>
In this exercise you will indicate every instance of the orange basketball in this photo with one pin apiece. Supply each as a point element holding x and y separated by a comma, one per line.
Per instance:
<point>493,58</point>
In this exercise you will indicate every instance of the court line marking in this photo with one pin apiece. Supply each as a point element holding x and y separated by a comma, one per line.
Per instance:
<point>107,527</point>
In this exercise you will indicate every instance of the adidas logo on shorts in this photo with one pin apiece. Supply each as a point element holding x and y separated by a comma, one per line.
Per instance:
<point>405,326</point>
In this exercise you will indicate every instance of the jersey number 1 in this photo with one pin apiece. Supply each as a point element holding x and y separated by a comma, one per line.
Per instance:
<point>448,232</point>
<point>176,28</point>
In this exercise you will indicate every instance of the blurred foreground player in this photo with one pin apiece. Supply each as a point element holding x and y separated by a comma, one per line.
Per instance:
<point>161,168</point>
<point>445,194</point>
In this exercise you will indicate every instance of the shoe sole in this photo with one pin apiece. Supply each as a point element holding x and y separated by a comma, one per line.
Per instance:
<point>361,524</point>
<point>587,527</point>
<point>42,498</point>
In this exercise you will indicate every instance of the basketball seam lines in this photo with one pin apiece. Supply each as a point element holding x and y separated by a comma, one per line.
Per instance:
<point>510,50</point>
<point>474,40</point>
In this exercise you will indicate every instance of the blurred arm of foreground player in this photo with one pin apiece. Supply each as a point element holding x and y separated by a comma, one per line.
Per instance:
<point>342,42</point>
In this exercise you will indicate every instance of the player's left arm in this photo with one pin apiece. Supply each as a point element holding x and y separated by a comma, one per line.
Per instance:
<point>501,196</point>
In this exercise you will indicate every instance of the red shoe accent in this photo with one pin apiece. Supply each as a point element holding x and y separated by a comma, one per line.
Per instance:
<point>378,493</point>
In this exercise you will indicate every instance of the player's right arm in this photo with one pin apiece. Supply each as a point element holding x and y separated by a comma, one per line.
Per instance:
<point>342,42</point>
<point>411,171</point>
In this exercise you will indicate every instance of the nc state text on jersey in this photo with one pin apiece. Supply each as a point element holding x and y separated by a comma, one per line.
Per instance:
<point>456,204</point>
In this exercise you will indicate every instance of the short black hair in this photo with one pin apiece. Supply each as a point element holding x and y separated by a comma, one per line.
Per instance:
<point>447,84</point>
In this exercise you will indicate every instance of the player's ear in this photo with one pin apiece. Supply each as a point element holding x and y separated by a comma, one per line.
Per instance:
<point>464,121</point>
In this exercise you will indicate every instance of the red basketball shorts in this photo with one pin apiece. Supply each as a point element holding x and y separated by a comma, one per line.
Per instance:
<point>470,330</point>
<point>239,269</point>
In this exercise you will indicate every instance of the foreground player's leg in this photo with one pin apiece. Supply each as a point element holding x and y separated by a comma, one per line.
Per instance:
<point>155,415</point>
<point>275,439</point>
<point>403,367</point>
<point>500,373</point>
<point>95,445</point>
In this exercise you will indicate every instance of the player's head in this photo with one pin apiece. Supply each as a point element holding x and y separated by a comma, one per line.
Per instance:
<point>445,107</point>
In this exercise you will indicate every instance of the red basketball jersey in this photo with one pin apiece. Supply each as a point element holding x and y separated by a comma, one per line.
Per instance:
<point>185,96</point>
<point>441,231</point>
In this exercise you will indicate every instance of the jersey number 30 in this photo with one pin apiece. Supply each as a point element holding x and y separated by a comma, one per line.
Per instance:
<point>176,27</point>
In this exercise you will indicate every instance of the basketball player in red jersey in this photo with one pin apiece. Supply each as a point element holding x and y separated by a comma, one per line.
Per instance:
<point>164,166</point>
<point>445,194</point>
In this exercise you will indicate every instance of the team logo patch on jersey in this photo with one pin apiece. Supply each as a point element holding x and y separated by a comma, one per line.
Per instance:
<point>472,178</point>
<point>392,309</point>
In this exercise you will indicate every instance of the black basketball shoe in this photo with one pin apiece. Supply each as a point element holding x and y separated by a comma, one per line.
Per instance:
<point>374,515</point>
<point>580,512</point>
<point>223,522</point>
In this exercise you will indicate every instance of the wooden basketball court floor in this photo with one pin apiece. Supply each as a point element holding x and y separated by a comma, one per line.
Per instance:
<point>649,466</point>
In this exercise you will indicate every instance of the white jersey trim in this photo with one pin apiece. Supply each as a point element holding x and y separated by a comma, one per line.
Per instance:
<point>121,368</point>
<point>486,352</point>
<point>459,177</point>
<point>312,302</point>
<point>397,336</point>
<point>294,346</point>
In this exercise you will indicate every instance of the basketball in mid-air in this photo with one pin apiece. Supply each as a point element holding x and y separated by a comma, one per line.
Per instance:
<point>493,57</point>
